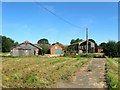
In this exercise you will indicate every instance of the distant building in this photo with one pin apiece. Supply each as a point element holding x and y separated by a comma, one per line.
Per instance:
<point>100,50</point>
<point>56,49</point>
<point>80,47</point>
<point>26,49</point>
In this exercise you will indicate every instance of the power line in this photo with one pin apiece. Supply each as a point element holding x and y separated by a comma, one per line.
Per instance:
<point>59,17</point>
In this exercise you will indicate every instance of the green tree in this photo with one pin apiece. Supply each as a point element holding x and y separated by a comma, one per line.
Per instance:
<point>44,44</point>
<point>102,45</point>
<point>45,48</point>
<point>118,48</point>
<point>0,43</point>
<point>66,48</point>
<point>110,49</point>
<point>75,40</point>
<point>7,44</point>
<point>93,42</point>
<point>78,40</point>
<point>16,43</point>
<point>43,41</point>
<point>72,41</point>
<point>60,44</point>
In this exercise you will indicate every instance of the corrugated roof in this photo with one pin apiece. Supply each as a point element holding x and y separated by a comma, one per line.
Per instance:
<point>80,42</point>
<point>27,42</point>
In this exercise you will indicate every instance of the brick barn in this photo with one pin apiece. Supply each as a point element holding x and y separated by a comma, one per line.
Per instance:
<point>26,49</point>
<point>56,49</point>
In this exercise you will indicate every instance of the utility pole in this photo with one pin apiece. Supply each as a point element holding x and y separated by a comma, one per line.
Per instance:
<point>86,40</point>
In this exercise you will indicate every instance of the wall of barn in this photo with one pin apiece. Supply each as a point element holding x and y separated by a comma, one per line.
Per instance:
<point>52,49</point>
<point>75,48</point>
<point>24,50</point>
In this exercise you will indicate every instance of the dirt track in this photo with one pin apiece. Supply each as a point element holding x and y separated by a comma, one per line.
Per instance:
<point>91,76</point>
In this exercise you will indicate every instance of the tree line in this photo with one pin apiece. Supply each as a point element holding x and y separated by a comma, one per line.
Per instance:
<point>6,43</point>
<point>111,48</point>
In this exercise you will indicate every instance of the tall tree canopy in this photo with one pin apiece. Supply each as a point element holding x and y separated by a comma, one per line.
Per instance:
<point>111,48</point>
<point>102,45</point>
<point>75,40</point>
<point>7,43</point>
<point>118,48</point>
<point>43,41</point>
<point>60,44</point>
<point>93,42</point>
<point>72,41</point>
<point>0,43</point>
<point>45,48</point>
<point>44,44</point>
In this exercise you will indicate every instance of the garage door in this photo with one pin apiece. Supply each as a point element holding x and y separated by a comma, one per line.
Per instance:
<point>58,51</point>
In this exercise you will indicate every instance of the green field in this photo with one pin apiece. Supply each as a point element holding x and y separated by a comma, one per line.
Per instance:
<point>38,71</point>
<point>112,72</point>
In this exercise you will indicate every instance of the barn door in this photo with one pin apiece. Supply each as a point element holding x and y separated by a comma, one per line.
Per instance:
<point>58,51</point>
<point>36,52</point>
<point>26,52</point>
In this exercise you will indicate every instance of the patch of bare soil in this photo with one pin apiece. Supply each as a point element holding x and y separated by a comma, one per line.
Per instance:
<point>91,76</point>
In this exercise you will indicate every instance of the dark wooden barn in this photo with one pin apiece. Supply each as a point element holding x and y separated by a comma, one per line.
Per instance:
<point>80,47</point>
<point>26,49</point>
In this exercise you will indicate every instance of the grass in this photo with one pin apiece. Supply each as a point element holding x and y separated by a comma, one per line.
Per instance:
<point>38,72</point>
<point>4,54</point>
<point>89,55</point>
<point>112,72</point>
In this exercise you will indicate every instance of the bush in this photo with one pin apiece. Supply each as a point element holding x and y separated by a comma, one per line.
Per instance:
<point>111,48</point>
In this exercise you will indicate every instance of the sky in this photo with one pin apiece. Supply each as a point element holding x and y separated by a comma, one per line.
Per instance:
<point>60,21</point>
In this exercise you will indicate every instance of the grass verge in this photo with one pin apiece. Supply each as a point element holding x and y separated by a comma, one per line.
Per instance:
<point>112,72</point>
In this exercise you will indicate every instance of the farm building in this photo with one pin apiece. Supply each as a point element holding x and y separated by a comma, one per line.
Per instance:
<point>100,50</point>
<point>56,49</point>
<point>80,47</point>
<point>26,49</point>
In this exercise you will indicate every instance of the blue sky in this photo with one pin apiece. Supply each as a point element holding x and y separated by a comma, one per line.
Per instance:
<point>31,21</point>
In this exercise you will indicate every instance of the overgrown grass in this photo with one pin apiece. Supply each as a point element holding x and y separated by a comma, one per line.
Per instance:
<point>112,72</point>
<point>89,55</point>
<point>4,54</point>
<point>38,71</point>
